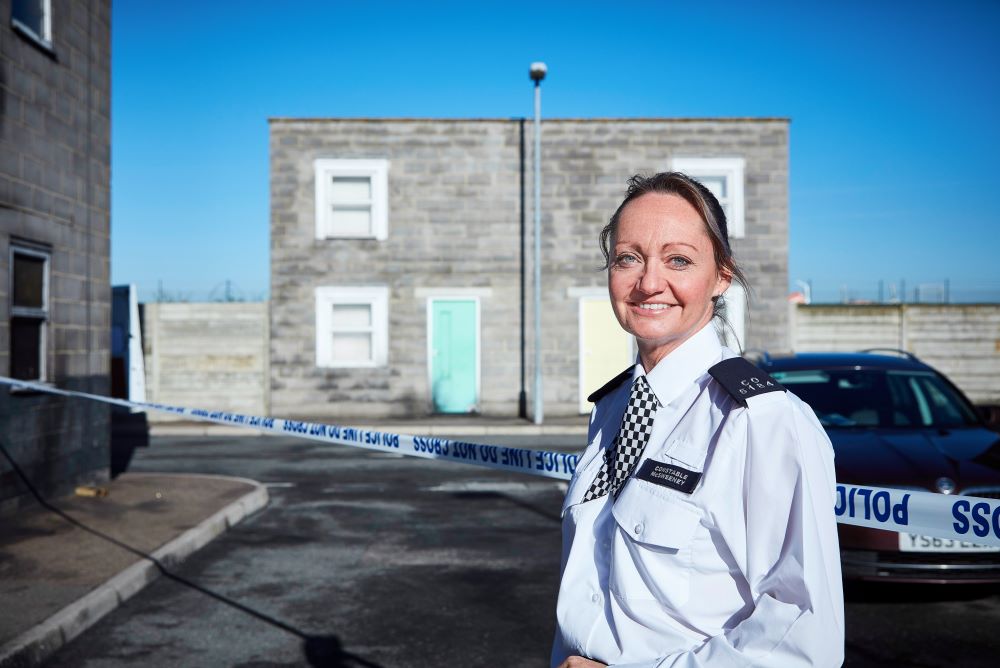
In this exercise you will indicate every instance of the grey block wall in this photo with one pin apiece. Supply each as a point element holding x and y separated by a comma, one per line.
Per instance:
<point>54,191</point>
<point>454,221</point>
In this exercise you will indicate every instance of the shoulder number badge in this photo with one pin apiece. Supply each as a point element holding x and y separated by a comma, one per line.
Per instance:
<point>742,379</point>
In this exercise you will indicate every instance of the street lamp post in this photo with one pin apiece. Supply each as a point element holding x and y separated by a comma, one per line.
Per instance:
<point>537,72</point>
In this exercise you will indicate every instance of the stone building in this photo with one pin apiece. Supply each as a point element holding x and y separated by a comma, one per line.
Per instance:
<point>397,263</point>
<point>55,68</point>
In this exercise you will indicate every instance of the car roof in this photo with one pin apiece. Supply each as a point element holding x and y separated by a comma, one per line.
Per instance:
<point>840,361</point>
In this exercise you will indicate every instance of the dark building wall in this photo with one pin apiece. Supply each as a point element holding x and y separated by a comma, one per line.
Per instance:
<point>54,195</point>
<point>454,207</point>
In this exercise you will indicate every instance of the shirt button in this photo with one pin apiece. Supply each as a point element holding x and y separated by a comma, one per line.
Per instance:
<point>638,529</point>
<point>595,598</point>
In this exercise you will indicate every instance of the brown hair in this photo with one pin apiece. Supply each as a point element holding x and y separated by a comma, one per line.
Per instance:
<point>703,201</point>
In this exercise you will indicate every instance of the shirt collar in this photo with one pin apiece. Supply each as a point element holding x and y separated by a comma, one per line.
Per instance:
<point>682,366</point>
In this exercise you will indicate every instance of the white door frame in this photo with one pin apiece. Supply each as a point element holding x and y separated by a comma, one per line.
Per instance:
<point>583,295</point>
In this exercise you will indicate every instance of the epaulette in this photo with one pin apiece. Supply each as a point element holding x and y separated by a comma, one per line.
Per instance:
<point>742,379</point>
<point>611,385</point>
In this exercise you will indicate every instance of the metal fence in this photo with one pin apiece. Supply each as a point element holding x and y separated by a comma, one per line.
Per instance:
<point>900,291</point>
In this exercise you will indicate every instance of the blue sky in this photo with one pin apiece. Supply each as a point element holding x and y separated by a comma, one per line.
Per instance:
<point>894,137</point>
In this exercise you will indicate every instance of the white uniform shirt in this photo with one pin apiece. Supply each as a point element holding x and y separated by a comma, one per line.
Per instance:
<point>743,570</point>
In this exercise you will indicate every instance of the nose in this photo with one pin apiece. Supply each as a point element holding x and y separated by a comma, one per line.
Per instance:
<point>653,279</point>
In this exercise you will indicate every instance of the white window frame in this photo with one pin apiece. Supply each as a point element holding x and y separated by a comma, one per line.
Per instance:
<point>732,169</point>
<point>45,38</point>
<point>376,170</point>
<point>375,296</point>
<point>35,313</point>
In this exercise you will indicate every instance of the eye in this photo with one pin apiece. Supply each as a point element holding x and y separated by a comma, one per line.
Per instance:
<point>678,261</point>
<point>625,260</point>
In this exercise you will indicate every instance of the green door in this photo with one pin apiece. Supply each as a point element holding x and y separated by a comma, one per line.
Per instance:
<point>454,355</point>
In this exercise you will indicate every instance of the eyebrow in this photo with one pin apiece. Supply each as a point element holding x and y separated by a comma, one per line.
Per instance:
<point>668,245</point>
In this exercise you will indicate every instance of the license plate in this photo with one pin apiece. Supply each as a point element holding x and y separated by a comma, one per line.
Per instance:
<point>911,542</point>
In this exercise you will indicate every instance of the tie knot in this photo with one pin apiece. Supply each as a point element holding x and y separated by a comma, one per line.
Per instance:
<point>642,394</point>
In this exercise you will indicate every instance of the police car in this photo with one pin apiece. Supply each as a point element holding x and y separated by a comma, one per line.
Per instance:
<point>896,422</point>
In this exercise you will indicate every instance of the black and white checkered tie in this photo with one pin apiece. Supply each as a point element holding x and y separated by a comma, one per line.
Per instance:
<point>620,459</point>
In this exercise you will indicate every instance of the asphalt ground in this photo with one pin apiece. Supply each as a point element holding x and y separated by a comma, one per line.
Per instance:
<point>360,559</point>
<point>371,559</point>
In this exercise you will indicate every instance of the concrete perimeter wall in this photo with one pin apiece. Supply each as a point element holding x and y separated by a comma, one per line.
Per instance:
<point>960,340</point>
<point>211,356</point>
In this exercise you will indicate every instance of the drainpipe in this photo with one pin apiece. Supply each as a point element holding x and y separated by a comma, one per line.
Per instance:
<point>522,397</point>
<point>537,72</point>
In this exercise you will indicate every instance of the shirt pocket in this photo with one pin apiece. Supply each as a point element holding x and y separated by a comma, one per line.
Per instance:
<point>685,453</point>
<point>651,555</point>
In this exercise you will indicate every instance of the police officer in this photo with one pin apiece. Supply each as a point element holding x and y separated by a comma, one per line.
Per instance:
<point>698,529</point>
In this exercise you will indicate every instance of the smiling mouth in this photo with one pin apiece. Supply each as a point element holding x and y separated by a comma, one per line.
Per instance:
<point>652,307</point>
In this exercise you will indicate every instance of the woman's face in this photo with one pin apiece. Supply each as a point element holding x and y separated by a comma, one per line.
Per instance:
<point>663,274</point>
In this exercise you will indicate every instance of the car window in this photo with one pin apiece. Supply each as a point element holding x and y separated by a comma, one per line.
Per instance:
<point>877,398</point>
<point>909,406</point>
<point>939,405</point>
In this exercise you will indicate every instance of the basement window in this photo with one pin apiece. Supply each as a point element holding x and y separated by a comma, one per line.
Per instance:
<point>29,312</point>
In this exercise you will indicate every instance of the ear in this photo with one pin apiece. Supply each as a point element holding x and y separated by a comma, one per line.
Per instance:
<point>722,282</point>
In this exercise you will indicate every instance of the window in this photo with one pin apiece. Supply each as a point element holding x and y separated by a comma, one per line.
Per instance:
<point>352,326</point>
<point>34,19</point>
<point>29,312</point>
<point>724,177</point>
<point>352,199</point>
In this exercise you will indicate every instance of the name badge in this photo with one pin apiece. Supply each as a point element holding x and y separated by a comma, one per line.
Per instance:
<point>668,475</point>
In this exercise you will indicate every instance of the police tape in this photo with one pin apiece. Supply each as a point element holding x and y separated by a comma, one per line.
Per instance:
<point>968,522</point>
<point>522,460</point>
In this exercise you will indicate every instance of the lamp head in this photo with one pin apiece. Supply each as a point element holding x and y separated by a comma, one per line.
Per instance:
<point>537,71</point>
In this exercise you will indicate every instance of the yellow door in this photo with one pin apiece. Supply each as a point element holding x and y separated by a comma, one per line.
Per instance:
<point>605,348</point>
